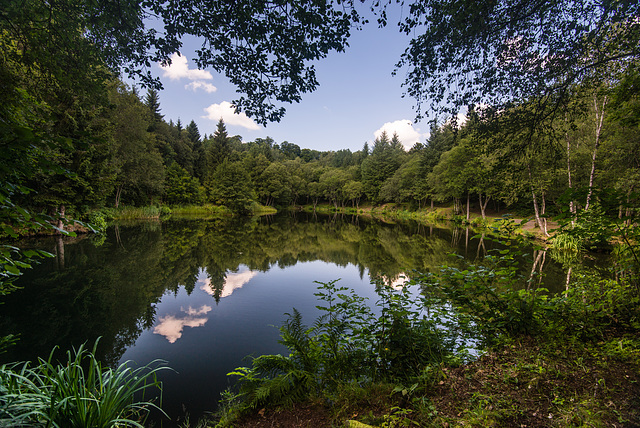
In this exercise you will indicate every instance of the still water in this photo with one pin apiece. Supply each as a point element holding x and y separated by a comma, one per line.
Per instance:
<point>204,295</point>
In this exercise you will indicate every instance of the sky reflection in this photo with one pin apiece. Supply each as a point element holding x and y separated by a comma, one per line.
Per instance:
<point>171,326</point>
<point>233,282</point>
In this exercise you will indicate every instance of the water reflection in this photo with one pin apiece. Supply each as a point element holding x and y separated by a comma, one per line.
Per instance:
<point>171,326</point>
<point>205,294</point>
<point>232,282</point>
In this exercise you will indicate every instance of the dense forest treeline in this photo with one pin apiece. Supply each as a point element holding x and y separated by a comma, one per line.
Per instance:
<point>130,155</point>
<point>76,139</point>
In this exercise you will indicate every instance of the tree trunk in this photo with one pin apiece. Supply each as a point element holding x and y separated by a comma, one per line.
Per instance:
<point>483,206</point>
<point>466,241</point>
<point>599,121</point>
<point>535,205</point>
<point>534,267</point>
<point>572,205</point>
<point>468,203</point>
<point>481,246</point>
<point>544,213</point>
<point>59,252</point>
<point>118,194</point>
<point>60,224</point>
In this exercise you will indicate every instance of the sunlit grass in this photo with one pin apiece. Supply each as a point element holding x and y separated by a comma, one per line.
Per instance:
<point>131,213</point>
<point>206,210</point>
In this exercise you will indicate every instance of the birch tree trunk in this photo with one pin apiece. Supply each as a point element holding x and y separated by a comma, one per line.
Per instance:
<point>544,213</point>
<point>572,205</point>
<point>483,205</point>
<point>599,120</point>
<point>536,210</point>
<point>468,203</point>
<point>118,194</point>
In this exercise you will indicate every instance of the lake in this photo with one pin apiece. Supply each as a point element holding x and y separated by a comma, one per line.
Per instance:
<point>204,295</point>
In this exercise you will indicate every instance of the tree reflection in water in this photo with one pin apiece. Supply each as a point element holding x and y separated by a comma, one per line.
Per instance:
<point>163,284</point>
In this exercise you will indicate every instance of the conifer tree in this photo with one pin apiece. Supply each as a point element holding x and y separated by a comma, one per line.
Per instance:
<point>152,101</point>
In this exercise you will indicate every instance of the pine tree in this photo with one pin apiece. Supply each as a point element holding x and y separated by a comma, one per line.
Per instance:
<point>193,132</point>
<point>199,154</point>
<point>220,148</point>
<point>152,102</point>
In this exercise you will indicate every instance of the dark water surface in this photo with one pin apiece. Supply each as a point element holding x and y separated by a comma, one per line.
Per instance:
<point>203,295</point>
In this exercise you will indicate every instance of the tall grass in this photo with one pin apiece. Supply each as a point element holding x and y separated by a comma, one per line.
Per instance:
<point>130,213</point>
<point>79,393</point>
<point>199,210</point>
<point>565,241</point>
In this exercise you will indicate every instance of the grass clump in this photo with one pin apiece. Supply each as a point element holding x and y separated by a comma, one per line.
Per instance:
<point>79,393</point>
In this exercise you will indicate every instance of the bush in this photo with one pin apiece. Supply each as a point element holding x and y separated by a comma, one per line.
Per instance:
<point>346,344</point>
<point>98,221</point>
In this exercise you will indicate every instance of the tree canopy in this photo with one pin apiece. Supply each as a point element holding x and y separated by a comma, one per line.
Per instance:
<point>494,53</point>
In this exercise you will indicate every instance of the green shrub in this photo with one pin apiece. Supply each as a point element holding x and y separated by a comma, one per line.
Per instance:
<point>98,221</point>
<point>347,343</point>
<point>492,295</point>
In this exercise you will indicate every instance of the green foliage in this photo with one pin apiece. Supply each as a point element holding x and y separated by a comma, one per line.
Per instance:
<point>231,186</point>
<point>592,306</point>
<point>592,229</point>
<point>181,188</point>
<point>79,393</point>
<point>492,295</point>
<point>566,241</point>
<point>472,44</point>
<point>98,221</point>
<point>348,343</point>
<point>380,165</point>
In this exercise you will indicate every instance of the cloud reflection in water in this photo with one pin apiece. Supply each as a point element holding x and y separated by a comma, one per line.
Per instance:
<point>171,326</point>
<point>232,282</point>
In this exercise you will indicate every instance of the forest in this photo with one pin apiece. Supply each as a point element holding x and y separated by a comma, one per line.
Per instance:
<point>551,91</point>
<point>77,140</point>
<point>141,159</point>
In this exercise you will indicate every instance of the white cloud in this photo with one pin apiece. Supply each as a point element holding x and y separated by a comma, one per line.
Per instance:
<point>407,134</point>
<point>179,69</point>
<point>226,112</point>
<point>462,117</point>
<point>198,84</point>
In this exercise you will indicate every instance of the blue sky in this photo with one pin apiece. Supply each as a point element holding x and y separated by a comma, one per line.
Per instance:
<point>356,99</point>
